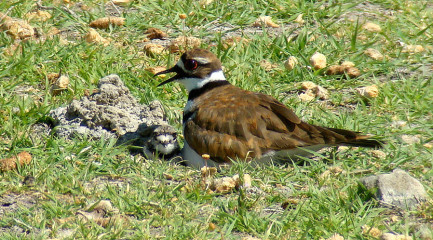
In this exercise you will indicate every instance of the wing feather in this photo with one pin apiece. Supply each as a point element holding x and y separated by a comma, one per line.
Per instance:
<point>232,122</point>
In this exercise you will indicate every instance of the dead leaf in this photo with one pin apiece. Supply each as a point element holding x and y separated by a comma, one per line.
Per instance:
<point>265,21</point>
<point>336,236</point>
<point>60,84</point>
<point>307,96</point>
<point>204,3</point>
<point>155,70</point>
<point>7,164</point>
<point>373,53</point>
<point>368,91</point>
<point>105,22</point>
<point>371,27</point>
<point>40,16</point>
<point>17,28</point>
<point>155,33</point>
<point>299,19</point>
<point>352,72</point>
<point>268,66</point>
<point>121,2</point>
<point>335,70</point>
<point>153,49</point>
<point>208,172</point>
<point>233,41</point>
<point>412,49</point>
<point>93,37</point>
<point>14,48</point>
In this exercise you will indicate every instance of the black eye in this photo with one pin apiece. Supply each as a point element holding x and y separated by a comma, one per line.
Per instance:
<point>191,64</point>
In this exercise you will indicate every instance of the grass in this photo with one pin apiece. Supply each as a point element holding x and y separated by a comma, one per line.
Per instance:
<point>71,174</point>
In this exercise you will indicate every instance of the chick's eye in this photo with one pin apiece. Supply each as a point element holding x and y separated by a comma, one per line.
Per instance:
<point>191,65</point>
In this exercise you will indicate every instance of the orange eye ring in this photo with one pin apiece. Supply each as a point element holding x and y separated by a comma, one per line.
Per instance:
<point>191,64</point>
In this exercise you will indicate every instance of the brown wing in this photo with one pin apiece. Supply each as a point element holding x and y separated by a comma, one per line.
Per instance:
<point>234,123</point>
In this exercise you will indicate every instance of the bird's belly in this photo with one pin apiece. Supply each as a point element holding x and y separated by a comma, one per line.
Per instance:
<point>289,154</point>
<point>193,159</point>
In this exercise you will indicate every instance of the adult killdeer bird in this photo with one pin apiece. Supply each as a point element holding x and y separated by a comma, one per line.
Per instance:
<point>230,123</point>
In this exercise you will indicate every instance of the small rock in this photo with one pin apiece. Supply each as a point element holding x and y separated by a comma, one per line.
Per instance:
<point>412,49</point>
<point>410,139</point>
<point>347,64</point>
<point>371,27</point>
<point>267,65</point>
<point>307,85</point>
<point>392,236</point>
<point>352,72</point>
<point>204,3</point>
<point>208,171</point>
<point>335,70</point>
<point>17,28</point>
<point>291,62</point>
<point>183,16</point>
<point>397,188</point>
<point>336,236</point>
<point>318,61</point>
<point>153,49</point>
<point>59,85</point>
<point>245,183</point>
<point>306,97</point>
<point>223,185</point>
<point>372,231</point>
<point>321,92</point>
<point>398,123</point>
<point>378,154</point>
<point>373,53</point>
<point>368,92</point>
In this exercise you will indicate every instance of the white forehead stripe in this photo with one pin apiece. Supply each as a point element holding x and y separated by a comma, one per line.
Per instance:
<point>202,60</point>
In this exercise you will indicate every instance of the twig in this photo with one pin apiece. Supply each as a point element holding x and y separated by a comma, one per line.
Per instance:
<point>40,6</point>
<point>115,7</point>
<point>5,15</point>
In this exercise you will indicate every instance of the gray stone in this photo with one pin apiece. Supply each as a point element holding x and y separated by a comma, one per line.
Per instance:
<point>397,188</point>
<point>112,112</point>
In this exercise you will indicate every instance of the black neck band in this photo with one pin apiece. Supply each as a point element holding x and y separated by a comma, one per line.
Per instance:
<point>208,86</point>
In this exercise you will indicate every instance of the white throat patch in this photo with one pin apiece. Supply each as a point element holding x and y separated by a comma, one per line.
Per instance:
<point>194,83</point>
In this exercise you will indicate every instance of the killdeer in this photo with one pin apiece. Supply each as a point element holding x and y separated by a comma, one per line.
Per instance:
<point>230,123</point>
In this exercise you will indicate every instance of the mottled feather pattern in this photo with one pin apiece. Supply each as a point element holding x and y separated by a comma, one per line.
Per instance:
<point>248,125</point>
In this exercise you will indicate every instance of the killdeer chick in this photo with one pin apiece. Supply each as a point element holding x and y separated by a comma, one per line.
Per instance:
<point>160,141</point>
<point>230,123</point>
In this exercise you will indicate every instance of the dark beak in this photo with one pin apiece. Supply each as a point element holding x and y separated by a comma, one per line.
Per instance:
<point>174,69</point>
